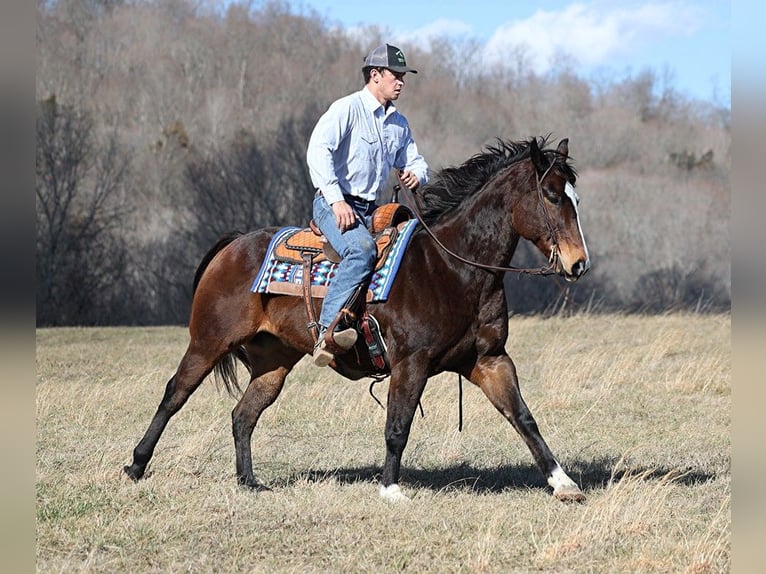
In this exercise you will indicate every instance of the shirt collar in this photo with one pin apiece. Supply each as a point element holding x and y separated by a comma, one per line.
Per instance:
<point>372,103</point>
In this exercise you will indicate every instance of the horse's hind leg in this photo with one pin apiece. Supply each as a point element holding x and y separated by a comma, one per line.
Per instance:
<point>271,361</point>
<point>192,370</point>
<point>496,376</point>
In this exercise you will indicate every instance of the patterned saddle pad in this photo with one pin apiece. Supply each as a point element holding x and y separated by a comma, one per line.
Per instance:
<point>284,276</point>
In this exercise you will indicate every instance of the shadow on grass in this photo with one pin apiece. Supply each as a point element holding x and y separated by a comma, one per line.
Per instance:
<point>590,475</point>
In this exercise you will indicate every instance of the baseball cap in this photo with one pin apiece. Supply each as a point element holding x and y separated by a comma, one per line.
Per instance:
<point>388,56</point>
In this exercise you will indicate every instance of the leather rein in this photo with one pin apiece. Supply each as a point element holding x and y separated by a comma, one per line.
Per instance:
<point>549,269</point>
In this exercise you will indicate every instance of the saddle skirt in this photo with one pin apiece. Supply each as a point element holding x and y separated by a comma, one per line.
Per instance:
<point>294,245</point>
<point>384,227</point>
<point>282,269</point>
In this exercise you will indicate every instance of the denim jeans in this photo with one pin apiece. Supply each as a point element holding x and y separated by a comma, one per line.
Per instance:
<point>357,249</point>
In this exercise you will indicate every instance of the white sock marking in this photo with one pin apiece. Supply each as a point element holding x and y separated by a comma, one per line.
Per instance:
<point>559,479</point>
<point>392,493</point>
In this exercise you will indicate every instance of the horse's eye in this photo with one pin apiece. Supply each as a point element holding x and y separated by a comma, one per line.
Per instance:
<point>552,196</point>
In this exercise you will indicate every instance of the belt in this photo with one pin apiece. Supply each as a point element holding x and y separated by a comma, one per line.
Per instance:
<point>358,199</point>
<point>348,196</point>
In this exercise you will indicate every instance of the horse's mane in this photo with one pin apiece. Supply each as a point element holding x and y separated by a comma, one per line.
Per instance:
<point>450,186</point>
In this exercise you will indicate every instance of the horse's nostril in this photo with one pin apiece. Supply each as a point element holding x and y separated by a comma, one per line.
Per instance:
<point>579,268</point>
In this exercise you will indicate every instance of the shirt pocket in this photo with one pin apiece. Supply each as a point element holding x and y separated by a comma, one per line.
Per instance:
<point>368,147</point>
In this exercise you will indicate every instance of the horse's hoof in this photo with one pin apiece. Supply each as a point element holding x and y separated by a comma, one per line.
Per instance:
<point>392,493</point>
<point>134,472</point>
<point>569,494</point>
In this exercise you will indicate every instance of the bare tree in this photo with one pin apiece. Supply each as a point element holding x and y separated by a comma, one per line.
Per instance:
<point>212,107</point>
<point>250,184</point>
<point>79,208</point>
<point>244,185</point>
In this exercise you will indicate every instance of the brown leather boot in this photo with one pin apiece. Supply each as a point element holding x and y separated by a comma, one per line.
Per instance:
<point>331,342</point>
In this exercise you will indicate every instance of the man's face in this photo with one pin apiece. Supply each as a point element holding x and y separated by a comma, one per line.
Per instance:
<point>388,84</point>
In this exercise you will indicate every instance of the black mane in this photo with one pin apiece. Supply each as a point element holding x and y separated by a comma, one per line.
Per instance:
<point>450,186</point>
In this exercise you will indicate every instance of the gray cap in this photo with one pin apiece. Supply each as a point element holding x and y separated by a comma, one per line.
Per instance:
<point>388,56</point>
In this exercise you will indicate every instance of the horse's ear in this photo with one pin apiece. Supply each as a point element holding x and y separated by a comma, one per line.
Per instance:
<point>537,157</point>
<point>563,148</point>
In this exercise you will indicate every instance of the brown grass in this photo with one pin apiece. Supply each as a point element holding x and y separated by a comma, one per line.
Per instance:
<point>637,410</point>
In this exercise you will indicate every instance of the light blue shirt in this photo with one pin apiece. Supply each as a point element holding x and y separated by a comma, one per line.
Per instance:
<point>356,143</point>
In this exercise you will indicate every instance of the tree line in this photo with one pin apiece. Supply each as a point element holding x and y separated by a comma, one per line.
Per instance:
<point>163,124</point>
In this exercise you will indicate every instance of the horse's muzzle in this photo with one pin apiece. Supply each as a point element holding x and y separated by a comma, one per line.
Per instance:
<point>579,269</point>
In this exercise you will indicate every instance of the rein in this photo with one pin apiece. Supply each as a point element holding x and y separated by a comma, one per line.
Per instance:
<point>550,269</point>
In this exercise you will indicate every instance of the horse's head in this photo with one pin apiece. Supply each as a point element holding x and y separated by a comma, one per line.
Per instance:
<point>548,216</point>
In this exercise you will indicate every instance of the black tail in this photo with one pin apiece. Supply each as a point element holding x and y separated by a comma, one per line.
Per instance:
<point>226,369</point>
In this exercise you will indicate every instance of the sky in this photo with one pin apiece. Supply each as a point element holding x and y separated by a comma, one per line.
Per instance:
<point>686,43</point>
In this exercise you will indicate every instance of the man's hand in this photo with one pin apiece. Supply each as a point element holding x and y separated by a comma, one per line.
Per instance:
<point>344,215</point>
<point>409,179</point>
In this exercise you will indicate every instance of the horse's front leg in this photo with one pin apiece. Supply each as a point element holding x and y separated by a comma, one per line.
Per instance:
<point>496,376</point>
<point>408,379</point>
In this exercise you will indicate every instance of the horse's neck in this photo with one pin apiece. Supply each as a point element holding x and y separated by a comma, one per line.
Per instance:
<point>480,230</point>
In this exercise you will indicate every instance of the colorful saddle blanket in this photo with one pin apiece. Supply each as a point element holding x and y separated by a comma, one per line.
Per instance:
<point>282,277</point>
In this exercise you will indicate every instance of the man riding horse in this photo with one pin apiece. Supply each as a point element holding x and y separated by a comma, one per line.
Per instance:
<point>352,150</point>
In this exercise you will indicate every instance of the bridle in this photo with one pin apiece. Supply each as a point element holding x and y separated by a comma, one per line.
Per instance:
<point>549,269</point>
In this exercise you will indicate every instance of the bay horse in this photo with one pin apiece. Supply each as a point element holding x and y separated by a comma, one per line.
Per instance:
<point>446,311</point>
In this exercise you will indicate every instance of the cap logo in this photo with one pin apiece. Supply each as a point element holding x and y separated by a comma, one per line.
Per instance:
<point>400,57</point>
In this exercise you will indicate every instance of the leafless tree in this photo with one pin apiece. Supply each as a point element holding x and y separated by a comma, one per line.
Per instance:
<point>213,107</point>
<point>79,206</point>
<point>246,184</point>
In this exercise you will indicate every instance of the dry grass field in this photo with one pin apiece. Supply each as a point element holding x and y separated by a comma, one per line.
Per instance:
<point>637,410</point>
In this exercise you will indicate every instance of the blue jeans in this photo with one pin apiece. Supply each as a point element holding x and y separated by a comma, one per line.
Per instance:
<point>357,249</point>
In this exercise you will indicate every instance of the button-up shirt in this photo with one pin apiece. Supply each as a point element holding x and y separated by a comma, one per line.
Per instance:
<point>356,143</point>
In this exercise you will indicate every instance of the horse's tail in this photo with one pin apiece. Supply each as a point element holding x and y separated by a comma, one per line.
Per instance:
<point>226,369</point>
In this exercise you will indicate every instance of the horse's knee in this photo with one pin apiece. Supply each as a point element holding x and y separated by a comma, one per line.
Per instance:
<point>396,438</point>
